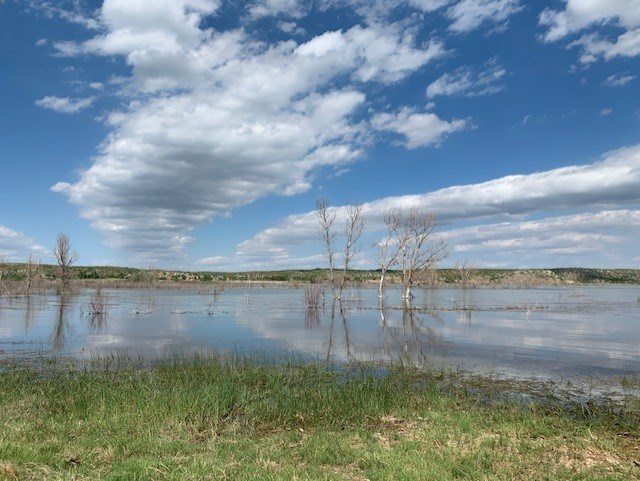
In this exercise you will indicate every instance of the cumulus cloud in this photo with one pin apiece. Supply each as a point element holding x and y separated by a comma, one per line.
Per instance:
<point>218,119</point>
<point>468,15</point>
<point>418,129</point>
<point>65,105</point>
<point>17,247</point>
<point>612,181</point>
<point>464,81</point>
<point>579,15</point>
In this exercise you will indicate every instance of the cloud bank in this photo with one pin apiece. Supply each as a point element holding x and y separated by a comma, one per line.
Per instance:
<point>502,205</point>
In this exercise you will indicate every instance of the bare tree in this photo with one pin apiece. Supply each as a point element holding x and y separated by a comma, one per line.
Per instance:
<point>3,265</point>
<point>354,229</point>
<point>33,273</point>
<point>387,254</point>
<point>418,246</point>
<point>465,269</point>
<point>65,258</point>
<point>326,218</point>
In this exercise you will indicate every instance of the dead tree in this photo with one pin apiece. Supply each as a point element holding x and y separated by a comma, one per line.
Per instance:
<point>3,264</point>
<point>33,274</point>
<point>465,269</point>
<point>326,218</point>
<point>419,248</point>
<point>387,254</point>
<point>65,258</point>
<point>354,229</point>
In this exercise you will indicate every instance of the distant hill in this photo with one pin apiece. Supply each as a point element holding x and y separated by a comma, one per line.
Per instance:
<point>435,277</point>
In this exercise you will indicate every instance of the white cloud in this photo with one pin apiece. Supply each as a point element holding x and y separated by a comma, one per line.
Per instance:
<point>266,8</point>
<point>429,5</point>
<point>16,247</point>
<point>606,111</point>
<point>291,28</point>
<point>70,11</point>
<point>418,129</point>
<point>224,119</point>
<point>542,242</point>
<point>618,80</point>
<point>579,15</point>
<point>464,81</point>
<point>468,15</point>
<point>211,261</point>
<point>595,47</point>
<point>612,181</point>
<point>64,105</point>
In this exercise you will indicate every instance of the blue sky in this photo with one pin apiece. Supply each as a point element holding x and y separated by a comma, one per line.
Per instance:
<point>197,134</point>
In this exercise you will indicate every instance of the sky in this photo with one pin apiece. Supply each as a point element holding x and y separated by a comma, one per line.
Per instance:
<point>198,134</point>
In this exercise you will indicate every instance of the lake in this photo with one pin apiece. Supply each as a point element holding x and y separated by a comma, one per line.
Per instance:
<point>556,333</point>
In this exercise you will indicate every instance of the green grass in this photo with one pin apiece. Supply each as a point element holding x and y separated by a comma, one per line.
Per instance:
<point>228,418</point>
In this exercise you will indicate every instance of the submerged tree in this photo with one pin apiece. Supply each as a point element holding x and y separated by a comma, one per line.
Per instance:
<point>354,228</point>
<point>33,273</point>
<point>65,258</point>
<point>326,218</point>
<point>416,245</point>
<point>387,253</point>
<point>3,265</point>
<point>465,270</point>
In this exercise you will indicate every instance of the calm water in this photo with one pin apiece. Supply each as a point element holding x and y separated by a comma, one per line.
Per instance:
<point>557,333</point>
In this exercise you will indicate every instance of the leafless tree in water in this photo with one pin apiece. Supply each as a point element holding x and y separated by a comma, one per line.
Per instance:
<point>465,270</point>
<point>418,246</point>
<point>65,258</point>
<point>3,265</point>
<point>387,248</point>
<point>354,228</point>
<point>326,218</point>
<point>33,272</point>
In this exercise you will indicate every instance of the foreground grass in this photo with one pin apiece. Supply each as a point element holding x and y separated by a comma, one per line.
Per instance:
<point>230,419</point>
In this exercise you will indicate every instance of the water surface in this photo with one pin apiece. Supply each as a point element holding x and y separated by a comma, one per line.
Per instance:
<point>555,332</point>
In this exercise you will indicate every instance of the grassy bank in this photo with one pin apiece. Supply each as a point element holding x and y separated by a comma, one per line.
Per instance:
<point>230,419</point>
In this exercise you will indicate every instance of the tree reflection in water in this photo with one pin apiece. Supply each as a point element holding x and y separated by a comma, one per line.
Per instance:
<point>408,339</point>
<point>312,318</point>
<point>98,322</point>
<point>28,315</point>
<point>61,326</point>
